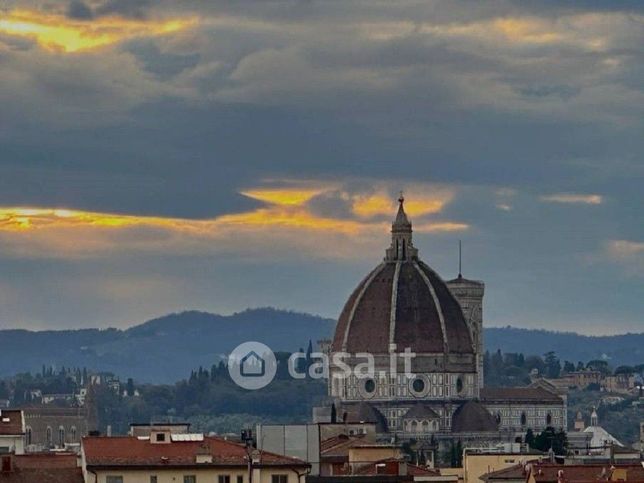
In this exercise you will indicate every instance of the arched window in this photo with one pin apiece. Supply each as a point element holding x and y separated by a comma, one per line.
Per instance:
<point>414,426</point>
<point>524,419</point>
<point>425,425</point>
<point>549,419</point>
<point>28,435</point>
<point>49,436</point>
<point>370,385</point>
<point>459,385</point>
<point>61,436</point>
<point>73,434</point>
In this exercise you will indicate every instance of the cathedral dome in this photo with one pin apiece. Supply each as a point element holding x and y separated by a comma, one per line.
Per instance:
<point>402,303</point>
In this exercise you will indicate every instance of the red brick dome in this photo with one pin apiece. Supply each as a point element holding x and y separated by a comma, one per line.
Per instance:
<point>402,302</point>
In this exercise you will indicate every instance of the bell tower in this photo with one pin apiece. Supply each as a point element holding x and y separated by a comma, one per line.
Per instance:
<point>469,294</point>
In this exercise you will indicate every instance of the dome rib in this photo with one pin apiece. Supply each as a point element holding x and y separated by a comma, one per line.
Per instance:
<point>356,303</point>
<point>403,303</point>
<point>394,301</point>
<point>437,303</point>
<point>458,337</point>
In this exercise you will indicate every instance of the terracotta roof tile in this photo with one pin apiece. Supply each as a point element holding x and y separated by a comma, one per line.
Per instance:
<point>43,475</point>
<point>549,472</point>
<point>43,468</point>
<point>514,472</point>
<point>339,445</point>
<point>518,394</point>
<point>131,451</point>
<point>11,422</point>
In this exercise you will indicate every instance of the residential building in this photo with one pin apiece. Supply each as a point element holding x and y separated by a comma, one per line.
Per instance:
<point>12,431</point>
<point>40,468</point>
<point>164,457</point>
<point>546,472</point>
<point>145,429</point>
<point>479,462</point>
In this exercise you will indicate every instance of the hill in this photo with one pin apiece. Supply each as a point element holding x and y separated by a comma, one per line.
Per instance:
<point>624,349</point>
<point>166,349</point>
<point>161,350</point>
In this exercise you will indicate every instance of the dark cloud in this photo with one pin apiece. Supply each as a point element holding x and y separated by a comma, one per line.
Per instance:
<point>137,9</point>
<point>163,65</point>
<point>361,94</point>
<point>79,10</point>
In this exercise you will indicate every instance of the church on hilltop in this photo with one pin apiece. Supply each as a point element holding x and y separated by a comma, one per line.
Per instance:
<point>403,303</point>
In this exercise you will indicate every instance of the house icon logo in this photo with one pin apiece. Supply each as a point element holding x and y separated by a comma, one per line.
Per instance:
<point>252,365</point>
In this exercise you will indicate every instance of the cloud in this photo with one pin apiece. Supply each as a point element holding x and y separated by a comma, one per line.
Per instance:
<point>624,249</point>
<point>187,138</point>
<point>79,10</point>
<point>572,198</point>
<point>70,34</point>
<point>285,217</point>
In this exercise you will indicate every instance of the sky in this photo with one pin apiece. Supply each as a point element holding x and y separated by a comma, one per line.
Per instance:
<point>158,156</point>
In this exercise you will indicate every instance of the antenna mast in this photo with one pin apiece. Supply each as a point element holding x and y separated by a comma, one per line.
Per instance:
<point>460,260</point>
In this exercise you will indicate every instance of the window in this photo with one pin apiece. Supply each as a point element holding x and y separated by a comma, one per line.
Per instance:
<point>74,434</point>
<point>113,479</point>
<point>240,479</point>
<point>189,479</point>
<point>224,479</point>
<point>28,435</point>
<point>49,436</point>
<point>279,479</point>
<point>524,419</point>
<point>153,479</point>
<point>369,386</point>
<point>418,385</point>
<point>61,436</point>
<point>459,385</point>
<point>160,437</point>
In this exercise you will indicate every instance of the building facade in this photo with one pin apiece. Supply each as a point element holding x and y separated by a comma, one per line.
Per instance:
<point>52,427</point>
<point>12,431</point>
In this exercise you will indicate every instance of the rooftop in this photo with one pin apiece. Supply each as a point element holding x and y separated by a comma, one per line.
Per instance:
<point>42,468</point>
<point>550,472</point>
<point>530,394</point>
<point>128,451</point>
<point>11,422</point>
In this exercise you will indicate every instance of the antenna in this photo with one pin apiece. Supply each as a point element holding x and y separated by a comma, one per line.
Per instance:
<point>460,259</point>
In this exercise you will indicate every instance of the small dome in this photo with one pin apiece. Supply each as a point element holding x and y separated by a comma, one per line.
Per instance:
<point>402,302</point>
<point>472,417</point>
<point>421,411</point>
<point>363,412</point>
